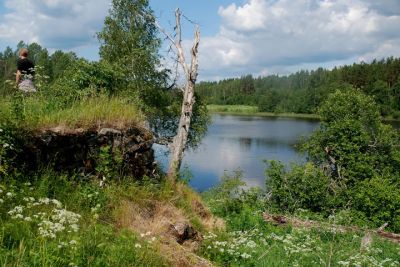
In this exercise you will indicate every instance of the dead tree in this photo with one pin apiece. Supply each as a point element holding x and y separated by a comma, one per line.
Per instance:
<point>178,145</point>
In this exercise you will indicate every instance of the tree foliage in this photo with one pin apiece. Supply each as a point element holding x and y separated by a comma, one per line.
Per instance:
<point>129,41</point>
<point>354,164</point>
<point>304,91</point>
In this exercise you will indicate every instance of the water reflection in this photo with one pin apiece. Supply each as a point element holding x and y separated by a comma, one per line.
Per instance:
<point>244,142</point>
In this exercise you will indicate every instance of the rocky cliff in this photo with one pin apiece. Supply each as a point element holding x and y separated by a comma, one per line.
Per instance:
<point>79,149</point>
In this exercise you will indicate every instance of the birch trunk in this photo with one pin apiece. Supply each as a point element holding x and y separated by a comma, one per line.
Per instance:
<point>180,139</point>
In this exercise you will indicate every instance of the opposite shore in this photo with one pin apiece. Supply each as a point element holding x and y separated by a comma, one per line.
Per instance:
<point>244,110</point>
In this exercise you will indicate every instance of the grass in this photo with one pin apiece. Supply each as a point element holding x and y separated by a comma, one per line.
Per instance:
<point>250,241</point>
<point>37,113</point>
<point>232,109</point>
<point>253,111</point>
<point>120,224</point>
<point>268,245</point>
<point>82,234</point>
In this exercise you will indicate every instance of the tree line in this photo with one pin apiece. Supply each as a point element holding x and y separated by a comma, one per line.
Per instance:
<point>304,91</point>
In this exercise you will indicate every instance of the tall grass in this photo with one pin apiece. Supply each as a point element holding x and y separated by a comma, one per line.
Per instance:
<point>250,241</point>
<point>54,220</point>
<point>38,113</point>
<point>94,112</point>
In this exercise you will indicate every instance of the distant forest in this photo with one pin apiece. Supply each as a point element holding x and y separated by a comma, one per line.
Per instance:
<point>305,91</point>
<point>301,92</point>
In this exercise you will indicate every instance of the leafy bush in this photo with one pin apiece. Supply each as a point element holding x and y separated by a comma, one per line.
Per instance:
<point>10,146</point>
<point>84,79</point>
<point>305,186</point>
<point>378,199</point>
<point>355,163</point>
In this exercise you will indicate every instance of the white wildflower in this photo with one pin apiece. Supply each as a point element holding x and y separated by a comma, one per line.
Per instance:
<point>137,245</point>
<point>73,242</point>
<point>62,244</point>
<point>57,203</point>
<point>9,194</point>
<point>28,219</point>
<point>251,244</point>
<point>18,216</point>
<point>16,210</point>
<point>94,209</point>
<point>344,263</point>
<point>44,201</point>
<point>1,200</point>
<point>245,256</point>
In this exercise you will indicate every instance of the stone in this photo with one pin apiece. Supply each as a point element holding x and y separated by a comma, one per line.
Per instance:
<point>107,131</point>
<point>79,150</point>
<point>183,231</point>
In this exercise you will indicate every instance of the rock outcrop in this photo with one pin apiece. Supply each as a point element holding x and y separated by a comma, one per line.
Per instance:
<point>79,149</point>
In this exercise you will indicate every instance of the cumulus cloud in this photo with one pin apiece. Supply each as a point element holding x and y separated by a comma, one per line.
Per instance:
<point>263,36</point>
<point>55,24</point>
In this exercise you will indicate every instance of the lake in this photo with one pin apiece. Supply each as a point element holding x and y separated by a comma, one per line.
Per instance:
<point>243,142</point>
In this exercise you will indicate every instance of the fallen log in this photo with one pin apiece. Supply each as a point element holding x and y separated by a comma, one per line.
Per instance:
<point>285,220</point>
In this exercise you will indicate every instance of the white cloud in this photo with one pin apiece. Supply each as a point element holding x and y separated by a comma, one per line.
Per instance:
<point>263,36</point>
<point>247,17</point>
<point>55,24</point>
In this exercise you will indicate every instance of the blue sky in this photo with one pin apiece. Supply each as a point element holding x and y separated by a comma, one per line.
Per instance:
<point>238,37</point>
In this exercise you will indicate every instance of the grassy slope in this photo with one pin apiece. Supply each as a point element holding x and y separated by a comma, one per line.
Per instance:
<point>120,224</point>
<point>125,224</point>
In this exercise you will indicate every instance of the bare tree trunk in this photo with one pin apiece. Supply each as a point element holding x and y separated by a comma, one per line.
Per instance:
<point>180,139</point>
<point>298,223</point>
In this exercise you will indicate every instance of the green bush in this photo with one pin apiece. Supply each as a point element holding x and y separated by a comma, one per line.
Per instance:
<point>378,199</point>
<point>304,186</point>
<point>84,79</point>
<point>355,162</point>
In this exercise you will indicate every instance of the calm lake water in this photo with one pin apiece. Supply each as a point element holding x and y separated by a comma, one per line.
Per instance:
<point>243,142</point>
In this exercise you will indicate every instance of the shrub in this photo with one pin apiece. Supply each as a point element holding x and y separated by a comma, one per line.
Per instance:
<point>305,186</point>
<point>378,199</point>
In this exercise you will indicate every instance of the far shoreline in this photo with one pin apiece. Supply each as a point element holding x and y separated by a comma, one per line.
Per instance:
<point>243,110</point>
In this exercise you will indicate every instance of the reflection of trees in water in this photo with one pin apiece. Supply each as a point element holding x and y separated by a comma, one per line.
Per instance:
<point>275,143</point>
<point>245,143</point>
